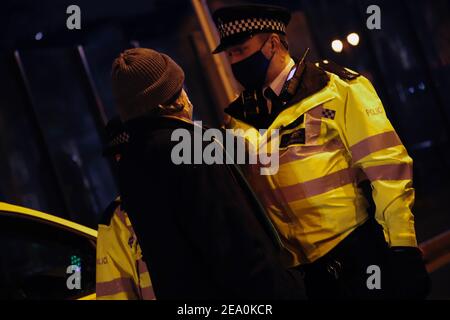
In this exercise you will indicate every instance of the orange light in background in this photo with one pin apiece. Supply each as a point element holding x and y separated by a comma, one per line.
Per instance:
<point>353,39</point>
<point>337,46</point>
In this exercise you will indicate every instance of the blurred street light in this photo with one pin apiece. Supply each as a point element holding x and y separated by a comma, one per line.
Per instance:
<point>337,46</point>
<point>353,39</point>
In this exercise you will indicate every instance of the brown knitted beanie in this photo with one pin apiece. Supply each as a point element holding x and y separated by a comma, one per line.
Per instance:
<point>142,79</point>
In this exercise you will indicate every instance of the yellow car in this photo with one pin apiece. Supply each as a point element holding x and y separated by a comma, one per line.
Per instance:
<point>44,256</point>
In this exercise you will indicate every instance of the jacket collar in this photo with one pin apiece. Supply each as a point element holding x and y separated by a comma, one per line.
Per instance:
<point>277,84</point>
<point>313,80</point>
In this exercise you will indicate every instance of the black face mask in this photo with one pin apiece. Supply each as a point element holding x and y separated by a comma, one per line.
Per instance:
<point>252,71</point>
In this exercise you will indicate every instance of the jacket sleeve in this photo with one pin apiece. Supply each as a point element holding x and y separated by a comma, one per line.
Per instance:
<point>116,275</point>
<point>377,150</point>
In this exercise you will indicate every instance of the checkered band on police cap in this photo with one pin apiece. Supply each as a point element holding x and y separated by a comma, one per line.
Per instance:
<point>248,25</point>
<point>116,137</point>
<point>237,23</point>
<point>119,140</point>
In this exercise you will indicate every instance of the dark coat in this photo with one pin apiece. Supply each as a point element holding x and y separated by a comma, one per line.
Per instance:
<point>201,232</point>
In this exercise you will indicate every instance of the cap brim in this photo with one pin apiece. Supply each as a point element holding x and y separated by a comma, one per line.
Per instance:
<point>233,41</point>
<point>220,48</point>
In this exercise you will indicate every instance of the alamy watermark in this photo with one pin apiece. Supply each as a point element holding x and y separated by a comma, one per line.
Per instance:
<point>74,279</point>
<point>236,146</point>
<point>374,20</point>
<point>374,280</point>
<point>74,20</point>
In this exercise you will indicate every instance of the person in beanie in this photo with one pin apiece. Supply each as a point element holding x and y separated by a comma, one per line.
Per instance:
<point>121,273</point>
<point>334,134</point>
<point>200,227</point>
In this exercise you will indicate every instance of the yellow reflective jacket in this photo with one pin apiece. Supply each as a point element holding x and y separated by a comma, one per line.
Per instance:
<point>330,141</point>
<point>121,274</point>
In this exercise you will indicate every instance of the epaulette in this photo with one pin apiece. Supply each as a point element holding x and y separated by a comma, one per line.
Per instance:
<point>341,72</point>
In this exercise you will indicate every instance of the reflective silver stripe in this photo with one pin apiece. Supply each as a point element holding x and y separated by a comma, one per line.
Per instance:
<point>120,285</point>
<point>401,171</point>
<point>373,144</point>
<point>318,186</point>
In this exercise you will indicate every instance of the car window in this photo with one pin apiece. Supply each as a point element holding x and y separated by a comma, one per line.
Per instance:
<point>34,259</point>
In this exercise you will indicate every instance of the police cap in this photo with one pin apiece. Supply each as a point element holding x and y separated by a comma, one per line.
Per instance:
<point>237,24</point>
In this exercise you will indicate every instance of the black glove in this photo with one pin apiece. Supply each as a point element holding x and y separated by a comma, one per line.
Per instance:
<point>409,278</point>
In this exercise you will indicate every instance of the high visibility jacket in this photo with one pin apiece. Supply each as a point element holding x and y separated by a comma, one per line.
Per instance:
<point>330,141</point>
<point>121,274</point>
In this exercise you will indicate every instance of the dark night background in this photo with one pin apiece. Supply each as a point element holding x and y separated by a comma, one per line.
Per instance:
<point>55,90</point>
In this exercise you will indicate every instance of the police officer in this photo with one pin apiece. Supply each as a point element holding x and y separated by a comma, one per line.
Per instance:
<point>121,272</point>
<point>334,133</point>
